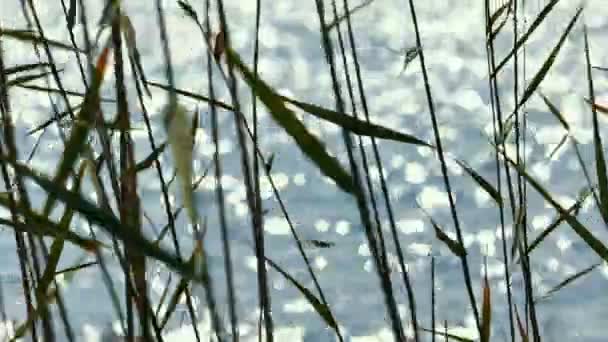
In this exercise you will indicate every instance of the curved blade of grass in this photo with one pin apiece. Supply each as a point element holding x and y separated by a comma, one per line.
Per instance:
<point>482,182</point>
<point>51,121</point>
<point>323,310</point>
<point>104,219</point>
<point>308,143</point>
<point>559,145</point>
<point>409,56</point>
<point>346,121</point>
<point>495,31</point>
<point>191,95</point>
<point>165,229</point>
<point>42,226</point>
<point>111,126</point>
<point>573,210</point>
<point>57,91</point>
<point>163,296</point>
<point>555,111</point>
<point>50,229</point>
<point>535,24</point>
<point>568,281</point>
<point>355,125</point>
<point>596,245</point>
<point>76,141</point>
<point>494,17</point>
<point>560,117</point>
<point>181,287</point>
<point>507,128</point>
<point>150,159</point>
<point>189,11</point>
<point>76,267</point>
<point>27,78</point>
<point>452,245</point>
<point>24,67</point>
<point>547,231</point>
<point>600,160</point>
<point>542,72</point>
<point>29,36</point>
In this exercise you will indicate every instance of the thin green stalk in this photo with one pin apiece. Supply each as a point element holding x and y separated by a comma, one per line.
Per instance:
<point>9,140</point>
<point>383,185</point>
<point>258,214</point>
<point>364,159</point>
<point>433,298</point>
<point>129,215</point>
<point>165,196</point>
<point>67,327</point>
<point>218,170</point>
<point>600,159</point>
<point>73,41</point>
<point>522,189</point>
<point>444,171</point>
<point>380,263</point>
<point>50,57</point>
<point>46,317</point>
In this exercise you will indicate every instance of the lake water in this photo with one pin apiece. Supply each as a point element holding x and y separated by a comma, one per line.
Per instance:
<point>292,61</point>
